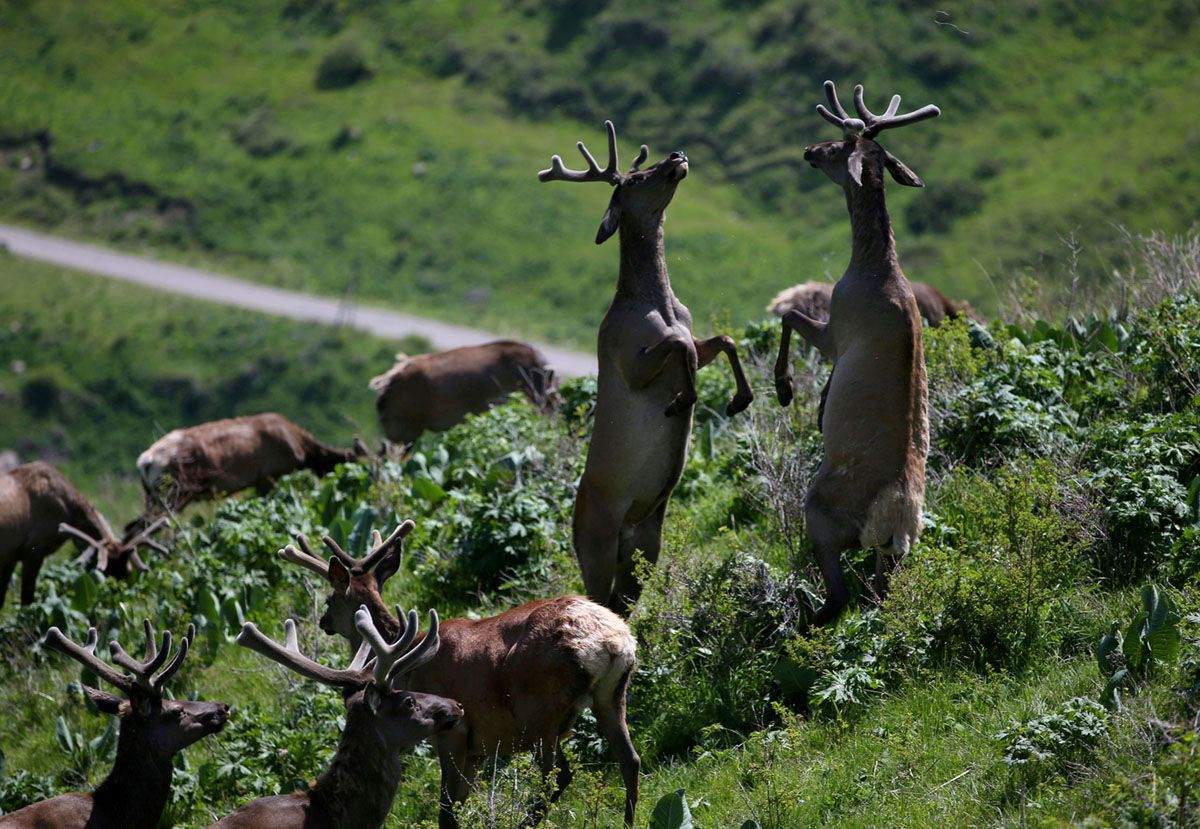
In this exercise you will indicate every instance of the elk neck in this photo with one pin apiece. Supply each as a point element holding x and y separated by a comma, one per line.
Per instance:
<point>358,787</point>
<point>873,249</point>
<point>643,273</point>
<point>138,787</point>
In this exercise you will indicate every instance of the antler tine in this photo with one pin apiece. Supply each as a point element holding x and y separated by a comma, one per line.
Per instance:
<point>144,536</point>
<point>305,559</point>
<point>290,657</point>
<point>643,153</point>
<point>136,561</point>
<point>419,655</point>
<point>610,174</point>
<point>878,123</point>
<point>385,655</point>
<point>86,655</point>
<point>160,681</point>
<point>834,103</point>
<point>893,107</point>
<point>337,550</point>
<point>143,671</point>
<point>383,547</point>
<point>80,534</point>
<point>376,538</point>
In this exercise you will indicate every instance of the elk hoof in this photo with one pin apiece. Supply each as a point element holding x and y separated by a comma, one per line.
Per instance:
<point>682,402</point>
<point>739,404</point>
<point>783,389</point>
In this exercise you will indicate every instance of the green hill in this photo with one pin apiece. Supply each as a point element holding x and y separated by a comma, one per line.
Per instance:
<point>389,150</point>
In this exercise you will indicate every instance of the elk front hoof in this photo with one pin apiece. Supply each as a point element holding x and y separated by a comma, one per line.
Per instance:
<point>681,404</point>
<point>783,389</point>
<point>739,404</point>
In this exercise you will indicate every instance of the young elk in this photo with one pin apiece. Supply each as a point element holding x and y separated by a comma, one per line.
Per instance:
<point>437,391</point>
<point>40,510</point>
<point>153,730</point>
<point>870,487</point>
<point>382,722</point>
<point>646,386</point>
<point>523,676</point>
<point>812,299</point>
<point>224,456</point>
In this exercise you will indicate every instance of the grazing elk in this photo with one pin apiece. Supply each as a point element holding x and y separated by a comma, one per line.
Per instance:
<point>435,392</point>
<point>225,456</point>
<point>869,489</point>
<point>152,731</point>
<point>523,676</point>
<point>39,510</point>
<point>812,300</point>
<point>382,722</point>
<point>646,386</point>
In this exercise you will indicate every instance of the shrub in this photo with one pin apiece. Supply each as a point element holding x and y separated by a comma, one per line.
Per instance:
<point>345,64</point>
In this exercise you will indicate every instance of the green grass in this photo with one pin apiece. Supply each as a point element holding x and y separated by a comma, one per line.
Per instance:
<point>1060,121</point>
<point>107,369</point>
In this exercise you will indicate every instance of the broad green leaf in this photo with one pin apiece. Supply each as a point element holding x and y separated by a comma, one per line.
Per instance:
<point>671,812</point>
<point>1133,647</point>
<point>84,593</point>
<point>425,489</point>
<point>62,733</point>
<point>1109,650</point>
<point>210,608</point>
<point>1164,644</point>
<point>751,824</point>
<point>231,613</point>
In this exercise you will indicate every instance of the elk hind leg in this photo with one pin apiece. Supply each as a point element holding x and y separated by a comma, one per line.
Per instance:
<point>595,534</point>
<point>30,568</point>
<point>550,758</point>
<point>828,541</point>
<point>610,716</point>
<point>458,774</point>
<point>887,559</point>
<point>6,574</point>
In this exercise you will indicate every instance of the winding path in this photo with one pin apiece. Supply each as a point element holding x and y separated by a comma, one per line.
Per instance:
<point>211,287</point>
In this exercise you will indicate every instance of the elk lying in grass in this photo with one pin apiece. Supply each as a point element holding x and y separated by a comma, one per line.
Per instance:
<point>225,456</point>
<point>434,392</point>
<point>382,722</point>
<point>153,730</point>
<point>870,487</point>
<point>646,386</point>
<point>523,676</point>
<point>812,299</point>
<point>39,510</point>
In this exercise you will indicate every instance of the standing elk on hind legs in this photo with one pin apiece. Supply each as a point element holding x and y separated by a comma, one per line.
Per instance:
<point>153,730</point>
<point>523,676</point>
<point>646,387</point>
<point>870,487</point>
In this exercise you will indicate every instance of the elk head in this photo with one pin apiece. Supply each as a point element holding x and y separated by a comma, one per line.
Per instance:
<point>858,160</point>
<point>114,556</point>
<point>161,725</point>
<point>639,196</point>
<point>356,582</point>
<point>370,684</point>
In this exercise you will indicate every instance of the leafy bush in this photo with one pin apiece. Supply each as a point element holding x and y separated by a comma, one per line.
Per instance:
<point>345,64</point>
<point>1051,742</point>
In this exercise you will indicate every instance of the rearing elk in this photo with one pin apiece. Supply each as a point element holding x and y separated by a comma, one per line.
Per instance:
<point>523,676</point>
<point>646,386</point>
<point>870,487</point>
<point>153,730</point>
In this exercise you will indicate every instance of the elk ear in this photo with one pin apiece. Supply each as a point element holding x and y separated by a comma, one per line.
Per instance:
<point>105,703</point>
<point>900,172</point>
<point>388,566</point>
<point>611,220</point>
<point>854,163</point>
<point>339,576</point>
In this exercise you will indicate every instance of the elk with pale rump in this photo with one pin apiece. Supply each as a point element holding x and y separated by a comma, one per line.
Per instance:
<point>812,299</point>
<point>382,722</point>
<point>153,730</point>
<point>435,392</point>
<point>870,487</point>
<point>40,510</point>
<point>523,676</point>
<point>646,387</point>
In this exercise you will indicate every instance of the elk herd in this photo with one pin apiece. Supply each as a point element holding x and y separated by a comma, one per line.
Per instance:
<point>515,682</point>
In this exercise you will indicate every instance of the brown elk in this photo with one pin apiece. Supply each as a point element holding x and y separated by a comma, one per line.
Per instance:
<point>646,387</point>
<point>40,510</point>
<point>434,392</point>
<point>869,489</point>
<point>523,676</point>
<point>382,722</point>
<point>812,300</point>
<point>225,456</point>
<point>152,731</point>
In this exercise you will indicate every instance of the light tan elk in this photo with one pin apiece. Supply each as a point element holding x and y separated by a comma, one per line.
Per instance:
<point>152,731</point>
<point>40,510</point>
<point>382,722</point>
<point>225,456</point>
<point>523,676</point>
<point>646,386</point>
<point>434,392</point>
<point>812,300</point>
<point>869,489</point>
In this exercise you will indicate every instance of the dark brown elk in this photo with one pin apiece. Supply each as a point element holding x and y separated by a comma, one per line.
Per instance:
<point>523,676</point>
<point>225,456</point>
<point>40,510</point>
<point>435,392</point>
<point>869,489</point>
<point>152,731</point>
<point>646,386</point>
<point>812,300</point>
<point>382,722</point>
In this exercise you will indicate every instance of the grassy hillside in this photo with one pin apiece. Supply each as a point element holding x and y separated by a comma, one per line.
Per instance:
<point>92,372</point>
<point>388,150</point>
